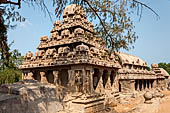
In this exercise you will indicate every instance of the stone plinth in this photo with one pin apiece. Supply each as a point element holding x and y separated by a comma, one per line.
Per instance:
<point>89,104</point>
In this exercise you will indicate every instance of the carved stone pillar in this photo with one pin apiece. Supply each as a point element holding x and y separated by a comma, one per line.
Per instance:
<point>23,75</point>
<point>138,85</point>
<point>100,88</point>
<point>132,85</point>
<point>91,80</point>
<point>154,84</point>
<point>108,83</point>
<point>43,77</point>
<point>71,80</point>
<point>56,78</point>
<point>85,81</point>
<point>149,84</point>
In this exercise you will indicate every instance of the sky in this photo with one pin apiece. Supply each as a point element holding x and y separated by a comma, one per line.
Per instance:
<point>153,44</point>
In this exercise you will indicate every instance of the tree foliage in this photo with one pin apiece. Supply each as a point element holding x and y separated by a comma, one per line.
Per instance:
<point>111,17</point>
<point>9,71</point>
<point>165,66</point>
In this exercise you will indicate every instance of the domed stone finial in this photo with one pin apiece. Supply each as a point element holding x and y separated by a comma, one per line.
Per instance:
<point>71,12</point>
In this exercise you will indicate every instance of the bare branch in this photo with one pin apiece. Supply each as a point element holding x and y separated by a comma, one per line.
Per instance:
<point>98,18</point>
<point>47,11</point>
<point>142,4</point>
<point>14,3</point>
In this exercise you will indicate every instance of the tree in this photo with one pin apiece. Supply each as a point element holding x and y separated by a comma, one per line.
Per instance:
<point>9,71</point>
<point>165,66</point>
<point>114,24</point>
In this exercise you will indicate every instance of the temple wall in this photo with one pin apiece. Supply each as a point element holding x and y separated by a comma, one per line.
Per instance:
<point>126,86</point>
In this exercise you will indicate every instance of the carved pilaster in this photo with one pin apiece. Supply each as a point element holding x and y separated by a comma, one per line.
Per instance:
<point>91,80</point>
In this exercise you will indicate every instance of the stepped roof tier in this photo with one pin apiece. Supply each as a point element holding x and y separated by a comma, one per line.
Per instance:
<point>72,41</point>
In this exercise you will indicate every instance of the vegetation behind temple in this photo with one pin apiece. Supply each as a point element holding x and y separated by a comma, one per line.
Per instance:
<point>165,66</point>
<point>9,71</point>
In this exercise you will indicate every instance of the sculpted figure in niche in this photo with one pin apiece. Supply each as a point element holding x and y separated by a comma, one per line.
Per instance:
<point>56,78</point>
<point>78,82</point>
<point>43,77</point>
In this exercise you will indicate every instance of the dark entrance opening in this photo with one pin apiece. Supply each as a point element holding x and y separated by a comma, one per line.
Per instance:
<point>50,76</point>
<point>63,77</point>
<point>96,78</point>
<point>148,84</point>
<point>152,83</point>
<point>136,84</point>
<point>140,85</point>
<point>144,84</point>
<point>119,87</point>
<point>36,75</point>
<point>112,77</point>
<point>104,77</point>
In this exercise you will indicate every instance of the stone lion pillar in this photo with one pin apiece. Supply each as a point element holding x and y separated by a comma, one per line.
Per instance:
<point>30,76</point>
<point>43,77</point>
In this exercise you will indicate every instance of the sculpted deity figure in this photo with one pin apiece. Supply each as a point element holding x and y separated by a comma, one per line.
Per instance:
<point>78,82</point>
<point>56,78</point>
<point>87,85</point>
<point>43,77</point>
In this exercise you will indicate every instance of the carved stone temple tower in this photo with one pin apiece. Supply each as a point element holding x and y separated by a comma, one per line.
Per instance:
<point>75,59</point>
<point>72,57</point>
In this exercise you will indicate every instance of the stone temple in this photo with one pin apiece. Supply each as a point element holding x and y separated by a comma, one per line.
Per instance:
<point>74,58</point>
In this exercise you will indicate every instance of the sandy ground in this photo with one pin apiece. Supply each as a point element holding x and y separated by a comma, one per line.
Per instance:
<point>165,105</point>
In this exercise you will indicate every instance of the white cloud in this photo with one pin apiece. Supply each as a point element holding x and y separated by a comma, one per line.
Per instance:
<point>25,24</point>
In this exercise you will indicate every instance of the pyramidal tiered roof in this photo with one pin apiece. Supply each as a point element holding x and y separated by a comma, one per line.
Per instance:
<point>72,41</point>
